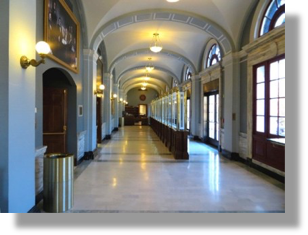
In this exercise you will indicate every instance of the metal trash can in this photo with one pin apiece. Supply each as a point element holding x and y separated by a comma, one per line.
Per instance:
<point>58,182</point>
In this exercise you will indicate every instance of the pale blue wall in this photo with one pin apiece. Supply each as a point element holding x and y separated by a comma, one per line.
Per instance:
<point>17,106</point>
<point>51,64</point>
<point>4,30</point>
<point>134,94</point>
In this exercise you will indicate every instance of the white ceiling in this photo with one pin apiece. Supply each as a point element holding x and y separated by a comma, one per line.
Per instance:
<point>126,28</point>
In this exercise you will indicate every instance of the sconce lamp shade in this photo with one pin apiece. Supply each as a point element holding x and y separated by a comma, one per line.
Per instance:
<point>42,48</point>
<point>102,87</point>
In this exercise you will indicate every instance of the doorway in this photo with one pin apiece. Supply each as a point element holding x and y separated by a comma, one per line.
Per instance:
<point>188,115</point>
<point>211,118</point>
<point>59,112</point>
<point>143,110</point>
<point>99,119</point>
<point>55,119</point>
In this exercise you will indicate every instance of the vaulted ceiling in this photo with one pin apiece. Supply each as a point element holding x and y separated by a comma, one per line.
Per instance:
<point>126,28</point>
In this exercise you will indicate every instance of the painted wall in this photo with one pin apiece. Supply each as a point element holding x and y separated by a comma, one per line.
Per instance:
<point>133,96</point>
<point>17,158</point>
<point>4,103</point>
<point>243,100</point>
<point>51,64</point>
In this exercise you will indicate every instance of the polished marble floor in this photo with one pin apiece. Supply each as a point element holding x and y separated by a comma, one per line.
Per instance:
<point>135,172</point>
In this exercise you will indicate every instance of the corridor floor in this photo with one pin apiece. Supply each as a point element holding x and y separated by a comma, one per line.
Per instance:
<point>135,172</point>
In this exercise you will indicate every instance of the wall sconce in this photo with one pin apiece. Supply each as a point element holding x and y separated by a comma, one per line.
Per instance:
<point>42,48</point>
<point>114,96</point>
<point>100,90</point>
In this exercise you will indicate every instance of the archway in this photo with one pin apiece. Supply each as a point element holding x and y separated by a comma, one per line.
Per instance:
<point>60,128</point>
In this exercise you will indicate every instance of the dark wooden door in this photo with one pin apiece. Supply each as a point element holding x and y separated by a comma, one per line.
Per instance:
<point>99,119</point>
<point>55,119</point>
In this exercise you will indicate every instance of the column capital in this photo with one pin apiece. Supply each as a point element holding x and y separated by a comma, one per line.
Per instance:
<point>107,76</point>
<point>195,78</point>
<point>90,54</point>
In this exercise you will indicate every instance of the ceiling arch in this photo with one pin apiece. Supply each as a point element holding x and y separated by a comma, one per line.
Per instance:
<point>153,79</point>
<point>146,51</point>
<point>139,82</point>
<point>135,85</point>
<point>181,17</point>
<point>171,74</point>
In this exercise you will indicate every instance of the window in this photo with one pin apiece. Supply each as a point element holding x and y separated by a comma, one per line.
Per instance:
<point>269,98</point>
<point>274,16</point>
<point>187,74</point>
<point>213,56</point>
<point>174,83</point>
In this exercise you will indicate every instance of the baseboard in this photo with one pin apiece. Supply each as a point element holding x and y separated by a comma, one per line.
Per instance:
<point>226,154</point>
<point>77,162</point>
<point>39,197</point>
<point>272,174</point>
<point>34,209</point>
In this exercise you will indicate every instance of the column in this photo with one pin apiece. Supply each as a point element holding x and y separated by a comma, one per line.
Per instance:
<point>121,105</point>
<point>17,104</point>
<point>231,103</point>
<point>89,84</point>
<point>107,104</point>
<point>195,105</point>
<point>116,107</point>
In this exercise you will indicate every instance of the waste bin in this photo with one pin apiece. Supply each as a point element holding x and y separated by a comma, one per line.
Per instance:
<point>58,182</point>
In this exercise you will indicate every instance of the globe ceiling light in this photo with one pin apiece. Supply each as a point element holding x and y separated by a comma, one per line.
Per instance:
<point>146,78</point>
<point>173,0</point>
<point>156,44</point>
<point>149,67</point>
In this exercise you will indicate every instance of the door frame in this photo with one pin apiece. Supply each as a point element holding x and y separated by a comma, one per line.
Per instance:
<point>207,139</point>
<point>99,119</point>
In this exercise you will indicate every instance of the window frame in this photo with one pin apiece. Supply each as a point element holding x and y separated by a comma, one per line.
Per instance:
<point>267,98</point>
<point>280,10</point>
<point>210,56</point>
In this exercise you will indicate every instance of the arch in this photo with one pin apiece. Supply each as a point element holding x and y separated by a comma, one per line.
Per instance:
<point>152,77</point>
<point>147,51</point>
<point>273,12</point>
<point>60,78</point>
<point>257,19</point>
<point>132,86</point>
<point>207,50</point>
<point>141,67</point>
<point>181,17</point>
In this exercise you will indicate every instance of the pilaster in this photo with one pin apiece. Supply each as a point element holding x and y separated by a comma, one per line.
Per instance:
<point>89,84</point>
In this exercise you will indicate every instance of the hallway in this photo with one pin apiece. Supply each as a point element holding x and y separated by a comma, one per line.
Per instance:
<point>135,172</point>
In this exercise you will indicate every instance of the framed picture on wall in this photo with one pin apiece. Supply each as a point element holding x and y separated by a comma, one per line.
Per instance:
<point>61,32</point>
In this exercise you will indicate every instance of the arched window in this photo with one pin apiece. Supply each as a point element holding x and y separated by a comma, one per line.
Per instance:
<point>174,83</point>
<point>187,74</point>
<point>274,16</point>
<point>213,56</point>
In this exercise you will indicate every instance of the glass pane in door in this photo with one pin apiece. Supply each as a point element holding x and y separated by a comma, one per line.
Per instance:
<point>212,116</point>
<point>188,112</point>
<point>217,117</point>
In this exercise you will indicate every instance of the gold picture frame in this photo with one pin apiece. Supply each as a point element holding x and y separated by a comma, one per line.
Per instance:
<point>61,32</point>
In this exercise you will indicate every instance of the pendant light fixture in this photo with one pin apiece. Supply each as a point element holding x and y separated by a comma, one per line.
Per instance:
<point>149,67</point>
<point>147,77</point>
<point>156,44</point>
